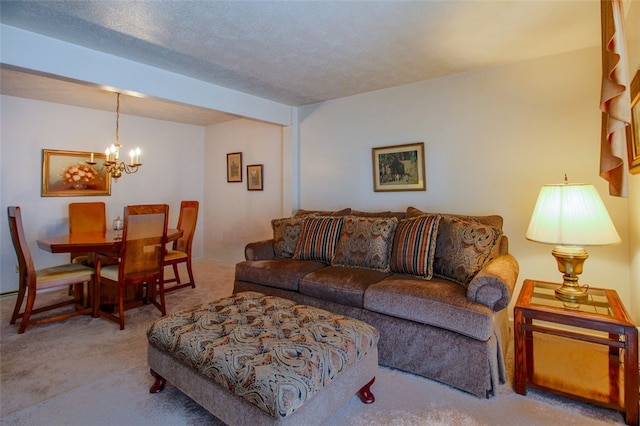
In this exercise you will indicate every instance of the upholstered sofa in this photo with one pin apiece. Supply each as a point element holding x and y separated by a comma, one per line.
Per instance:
<point>436,286</point>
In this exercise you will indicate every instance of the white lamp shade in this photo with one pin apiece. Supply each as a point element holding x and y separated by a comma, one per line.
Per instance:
<point>571,214</point>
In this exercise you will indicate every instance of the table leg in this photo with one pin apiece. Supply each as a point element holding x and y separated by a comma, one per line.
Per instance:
<point>631,376</point>
<point>520,353</point>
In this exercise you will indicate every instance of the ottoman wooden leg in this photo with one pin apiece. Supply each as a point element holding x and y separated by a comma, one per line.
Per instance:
<point>158,385</point>
<point>365,393</point>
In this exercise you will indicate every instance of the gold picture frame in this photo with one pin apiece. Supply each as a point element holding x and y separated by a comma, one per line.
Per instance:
<point>234,167</point>
<point>254,177</point>
<point>399,168</point>
<point>633,130</point>
<point>68,174</point>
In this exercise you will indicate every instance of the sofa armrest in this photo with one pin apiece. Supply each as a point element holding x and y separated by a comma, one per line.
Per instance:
<point>493,286</point>
<point>259,250</point>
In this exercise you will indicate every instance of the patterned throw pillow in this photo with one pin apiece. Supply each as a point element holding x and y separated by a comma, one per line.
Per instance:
<point>414,246</point>
<point>286,234</point>
<point>366,242</point>
<point>318,238</point>
<point>463,248</point>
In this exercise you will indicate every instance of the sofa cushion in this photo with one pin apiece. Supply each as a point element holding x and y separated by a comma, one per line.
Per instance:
<point>437,302</point>
<point>414,246</point>
<point>463,248</point>
<point>491,220</point>
<point>277,273</point>
<point>318,238</point>
<point>307,213</point>
<point>365,242</point>
<point>286,234</point>
<point>345,286</point>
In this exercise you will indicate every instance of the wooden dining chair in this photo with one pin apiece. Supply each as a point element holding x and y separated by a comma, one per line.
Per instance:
<point>32,280</point>
<point>141,258</point>
<point>181,249</point>
<point>83,218</point>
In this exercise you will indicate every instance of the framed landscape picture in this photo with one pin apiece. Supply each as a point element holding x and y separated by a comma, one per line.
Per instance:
<point>633,131</point>
<point>399,168</point>
<point>68,174</point>
<point>254,177</point>
<point>234,167</point>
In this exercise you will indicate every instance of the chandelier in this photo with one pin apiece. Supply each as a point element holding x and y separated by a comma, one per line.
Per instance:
<point>112,164</point>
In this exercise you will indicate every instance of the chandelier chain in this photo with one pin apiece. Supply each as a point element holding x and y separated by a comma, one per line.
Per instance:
<point>118,119</point>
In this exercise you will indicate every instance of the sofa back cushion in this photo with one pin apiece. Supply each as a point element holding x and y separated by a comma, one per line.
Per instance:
<point>463,247</point>
<point>318,238</point>
<point>286,234</point>
<point>365,242</point>
<point>387,213</point>
<point>414,246</point>
<point>491,220</point>
<point>308,213</point>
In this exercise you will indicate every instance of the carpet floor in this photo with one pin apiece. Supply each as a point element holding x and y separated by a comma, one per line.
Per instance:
<point>85,371</point>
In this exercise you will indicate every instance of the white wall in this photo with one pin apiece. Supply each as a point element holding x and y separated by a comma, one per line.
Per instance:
<point>492,139</point>
<point>173,169</point>
<point>234,215</point>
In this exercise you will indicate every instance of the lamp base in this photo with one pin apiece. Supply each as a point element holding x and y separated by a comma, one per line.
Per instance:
<point>571,294</point>
<point>570,261</point>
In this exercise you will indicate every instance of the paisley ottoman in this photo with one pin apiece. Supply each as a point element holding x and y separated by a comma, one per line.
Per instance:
<point>255,359</point>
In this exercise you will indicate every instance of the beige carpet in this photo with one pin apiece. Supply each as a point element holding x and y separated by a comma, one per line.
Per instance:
<point>86,371</point>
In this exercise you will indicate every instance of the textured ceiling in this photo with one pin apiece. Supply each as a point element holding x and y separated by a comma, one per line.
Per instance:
<point>302,52</point>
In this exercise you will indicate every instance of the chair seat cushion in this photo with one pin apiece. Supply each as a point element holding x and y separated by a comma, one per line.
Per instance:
<point>174,255</point>
<point>52,276</point>
<point>110,272</point>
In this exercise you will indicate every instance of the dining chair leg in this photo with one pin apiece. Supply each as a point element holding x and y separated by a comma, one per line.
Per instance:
<point>19,300</point>
<point>121,306</point>
<point>78,295</point>
<point>31,299</point>
<point>156,291</point>
<point>163,308</point>
<point>93,290</point>
<point>190,272</point>
<point>176,273</point>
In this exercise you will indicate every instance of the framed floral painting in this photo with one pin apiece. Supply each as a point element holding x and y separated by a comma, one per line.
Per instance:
<point>254,177</point>
<point>69,174</point>
<point>234,167</point>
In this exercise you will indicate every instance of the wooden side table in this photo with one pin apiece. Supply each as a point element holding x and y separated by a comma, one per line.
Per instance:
<point>588,351</point>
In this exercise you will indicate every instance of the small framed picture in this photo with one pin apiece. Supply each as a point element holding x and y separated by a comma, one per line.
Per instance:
<point>254,177</point>
<point>633,131</point>
<point>399,168</point>
<point>74,173</point>
<point>234,167</point>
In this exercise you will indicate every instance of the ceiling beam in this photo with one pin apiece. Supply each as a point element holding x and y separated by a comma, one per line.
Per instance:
<point>43,54</point>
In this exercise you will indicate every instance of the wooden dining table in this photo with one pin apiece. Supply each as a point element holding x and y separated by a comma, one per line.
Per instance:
<point>95,243</point>
<point>91,242</point>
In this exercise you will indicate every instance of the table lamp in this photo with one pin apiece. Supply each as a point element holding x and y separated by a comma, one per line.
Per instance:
<point>571,215</point>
